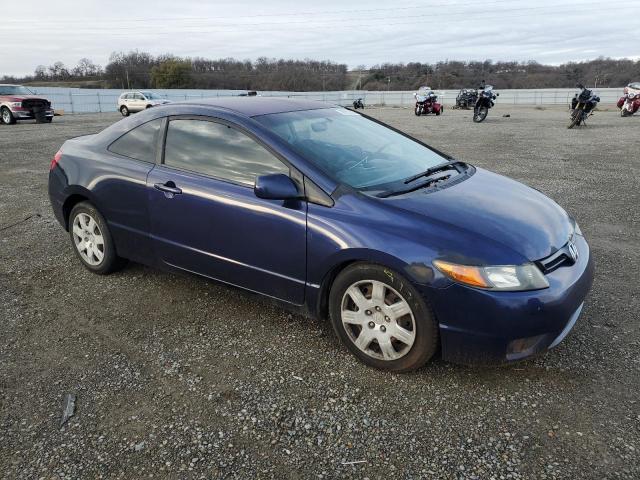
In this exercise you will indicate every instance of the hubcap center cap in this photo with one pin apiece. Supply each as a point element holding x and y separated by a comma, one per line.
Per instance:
<point>378,317</point>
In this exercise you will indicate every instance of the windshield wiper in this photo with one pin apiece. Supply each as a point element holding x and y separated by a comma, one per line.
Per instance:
<point>432,170</point>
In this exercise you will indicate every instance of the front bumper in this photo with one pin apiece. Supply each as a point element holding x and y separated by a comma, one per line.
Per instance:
<point>26,114</point>
<point>487,327</point>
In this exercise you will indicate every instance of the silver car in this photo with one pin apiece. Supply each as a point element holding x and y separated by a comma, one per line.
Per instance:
<point>131,102</point>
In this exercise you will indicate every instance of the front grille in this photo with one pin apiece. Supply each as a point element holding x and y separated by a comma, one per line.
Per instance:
<point>563,257</point>
<point>35,104</point>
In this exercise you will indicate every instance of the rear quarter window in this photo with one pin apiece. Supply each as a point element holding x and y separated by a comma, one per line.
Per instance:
<point>141,143</point>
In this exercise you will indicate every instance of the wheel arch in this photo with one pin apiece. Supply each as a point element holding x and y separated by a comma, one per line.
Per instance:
<point>75,196</point>
<point>413,272</point>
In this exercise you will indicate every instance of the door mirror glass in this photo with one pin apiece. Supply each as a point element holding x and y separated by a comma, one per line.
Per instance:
<point>276,187</point>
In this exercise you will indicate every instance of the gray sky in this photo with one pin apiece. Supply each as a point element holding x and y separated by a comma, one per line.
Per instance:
<point>356,32</point>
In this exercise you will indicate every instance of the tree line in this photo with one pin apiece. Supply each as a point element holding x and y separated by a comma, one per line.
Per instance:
<point>603,72</point>
<point>128,70</point>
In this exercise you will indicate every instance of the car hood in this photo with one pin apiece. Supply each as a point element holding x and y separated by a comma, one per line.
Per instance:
<point>518,222</point>
<point>19,98</point>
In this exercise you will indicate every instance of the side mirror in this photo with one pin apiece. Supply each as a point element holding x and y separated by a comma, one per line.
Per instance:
<point>276,187</point>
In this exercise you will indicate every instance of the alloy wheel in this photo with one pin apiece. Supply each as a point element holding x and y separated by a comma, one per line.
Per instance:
<point>88,239</point>
<point>378,320</point>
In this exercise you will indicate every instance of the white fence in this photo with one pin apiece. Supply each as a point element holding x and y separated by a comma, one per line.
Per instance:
<point>77,100</point>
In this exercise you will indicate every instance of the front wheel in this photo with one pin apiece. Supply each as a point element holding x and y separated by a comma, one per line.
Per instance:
<point>7,116</point>
<point>479,114</point>
<point>575,119</point>
<point>625,113</point>
<point>124,111</point>
<point>382,319</point>
<point>418,110</point>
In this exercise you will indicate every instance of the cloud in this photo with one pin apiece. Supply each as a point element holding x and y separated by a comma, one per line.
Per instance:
<point>355,33</point>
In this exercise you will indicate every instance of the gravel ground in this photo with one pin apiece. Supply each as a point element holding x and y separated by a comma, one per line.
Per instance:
<point>177,377</point>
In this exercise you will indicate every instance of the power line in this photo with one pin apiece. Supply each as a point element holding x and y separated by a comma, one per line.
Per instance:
<point>311,23</point>
<point>281,14</point>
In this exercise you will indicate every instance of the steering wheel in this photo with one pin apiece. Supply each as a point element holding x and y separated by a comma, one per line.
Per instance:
<point>366,156</point>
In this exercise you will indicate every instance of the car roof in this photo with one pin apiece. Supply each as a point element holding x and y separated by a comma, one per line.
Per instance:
<point>254,106</point>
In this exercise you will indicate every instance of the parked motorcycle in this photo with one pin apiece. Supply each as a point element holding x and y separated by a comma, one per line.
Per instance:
<point>358,104</point>
<point>427,102</point>
<point>582,105</point>
<point>466,98</point>
<point>485,101</point>
<point>629,103</point>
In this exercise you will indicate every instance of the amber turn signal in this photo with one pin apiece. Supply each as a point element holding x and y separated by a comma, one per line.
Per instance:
<point>463,273</point>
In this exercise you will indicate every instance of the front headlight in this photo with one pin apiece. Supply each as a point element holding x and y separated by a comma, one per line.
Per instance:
<point>500,277</point>
<point>15,104</point>
<point>576,229</point>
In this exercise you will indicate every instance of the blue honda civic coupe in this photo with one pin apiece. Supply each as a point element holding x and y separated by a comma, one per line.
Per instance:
<point>408,251</point>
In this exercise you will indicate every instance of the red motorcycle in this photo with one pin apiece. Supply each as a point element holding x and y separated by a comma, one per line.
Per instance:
<point>629,103</point>
<point>427,102</point>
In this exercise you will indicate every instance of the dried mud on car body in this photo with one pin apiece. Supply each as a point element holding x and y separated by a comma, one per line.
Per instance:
<point>183,378</point>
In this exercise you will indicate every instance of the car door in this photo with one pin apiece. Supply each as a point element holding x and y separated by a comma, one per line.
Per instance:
<point>205,217</point>
<point>137,102</point>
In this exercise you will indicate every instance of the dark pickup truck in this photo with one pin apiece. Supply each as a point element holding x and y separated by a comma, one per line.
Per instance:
<point>20,103</point>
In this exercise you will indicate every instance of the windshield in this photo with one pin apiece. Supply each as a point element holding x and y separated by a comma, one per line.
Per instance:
<point>14,90</point>
<point>151,96</point>
<point>350,148</point>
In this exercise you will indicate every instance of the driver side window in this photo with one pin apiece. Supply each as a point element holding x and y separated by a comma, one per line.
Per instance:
<point>218,150</point>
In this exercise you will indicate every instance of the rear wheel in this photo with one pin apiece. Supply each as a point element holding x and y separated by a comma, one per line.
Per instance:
<point>92,240</point>
<point>382,319</point>
<point>7,116</point>
<point>124,111</point>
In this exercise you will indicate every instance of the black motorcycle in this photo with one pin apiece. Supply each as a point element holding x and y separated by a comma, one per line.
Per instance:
<point>484,103</point>
<point>466,98</point>
<point>358,104</point>
<point>582,105</point>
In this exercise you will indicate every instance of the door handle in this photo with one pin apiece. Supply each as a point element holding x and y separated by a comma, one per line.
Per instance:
<point>168,187</point>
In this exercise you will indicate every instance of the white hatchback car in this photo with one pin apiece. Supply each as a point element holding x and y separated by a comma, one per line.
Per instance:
<point>131,102</point>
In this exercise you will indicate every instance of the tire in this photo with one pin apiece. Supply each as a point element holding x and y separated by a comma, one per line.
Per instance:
<point>88,229</point>
<point>7,116</point>
<point>410,318</point>
<point>625,113</point>
<point>124,111</point>
<point>575,120</point>
<point>48,119</point>
<point>417,111</point>
<point>148,106</point>
<point>480,114</point>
